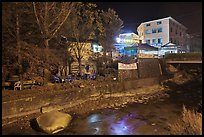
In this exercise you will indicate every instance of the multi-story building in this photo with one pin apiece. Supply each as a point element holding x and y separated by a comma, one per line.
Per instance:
<point>161,32</point>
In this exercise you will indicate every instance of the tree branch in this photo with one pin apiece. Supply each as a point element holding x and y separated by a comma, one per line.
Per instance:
<point>36,16</point>
<point>71,4</point>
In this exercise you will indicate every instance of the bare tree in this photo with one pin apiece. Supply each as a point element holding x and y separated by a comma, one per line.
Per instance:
<point>81,28</point>
<point>11,27</point>
<point>50,16</point>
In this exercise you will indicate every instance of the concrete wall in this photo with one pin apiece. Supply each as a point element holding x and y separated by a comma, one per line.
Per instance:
<point>28,105</point>
<point>149,67</point>
<point>127,74</point>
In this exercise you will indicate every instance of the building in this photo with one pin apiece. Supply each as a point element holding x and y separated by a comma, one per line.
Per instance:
<point>126,45</point>
<point>147,51</point>
<point>160,32</point>
<point>83,50</point>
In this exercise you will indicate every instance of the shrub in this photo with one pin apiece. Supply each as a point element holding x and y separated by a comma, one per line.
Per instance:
<point>190,124</point>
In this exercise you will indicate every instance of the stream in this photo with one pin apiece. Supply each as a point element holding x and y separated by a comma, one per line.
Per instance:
<point>149,118</point>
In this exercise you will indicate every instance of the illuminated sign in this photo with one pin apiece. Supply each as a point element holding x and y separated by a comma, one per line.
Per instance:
<point>122,66</point>
<point>128,38</point>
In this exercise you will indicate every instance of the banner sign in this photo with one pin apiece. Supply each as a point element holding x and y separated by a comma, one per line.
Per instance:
<point>127,66</point>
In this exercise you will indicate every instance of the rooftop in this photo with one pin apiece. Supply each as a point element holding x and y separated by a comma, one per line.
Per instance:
<point>170,18</point>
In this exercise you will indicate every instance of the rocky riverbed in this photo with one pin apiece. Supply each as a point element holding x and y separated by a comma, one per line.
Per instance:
<point>186,92</point>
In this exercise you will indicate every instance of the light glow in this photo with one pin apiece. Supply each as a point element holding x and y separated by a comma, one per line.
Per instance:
<point>118,40</point>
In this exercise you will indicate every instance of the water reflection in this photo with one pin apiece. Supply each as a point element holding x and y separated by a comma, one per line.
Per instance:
<point>126,125</point>
<point>93,118</point>
<point>110,122</point>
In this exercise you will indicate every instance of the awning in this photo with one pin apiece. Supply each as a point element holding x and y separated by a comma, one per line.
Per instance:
<point>147,47</point>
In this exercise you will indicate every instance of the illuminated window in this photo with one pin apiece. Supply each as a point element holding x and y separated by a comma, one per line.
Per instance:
<point>153,41</point>
<point>160,29</point>
<point>159,22</point>
<point>96,48</point>
<point>159,40</point>
<point>147,24</point>
<point>153,30</point>
<point>147,31</point>
<point>148,41</point>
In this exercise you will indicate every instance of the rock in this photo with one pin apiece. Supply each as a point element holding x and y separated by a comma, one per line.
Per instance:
<point>81,86</point>
<point>53,121</point>
<point>172,69</point>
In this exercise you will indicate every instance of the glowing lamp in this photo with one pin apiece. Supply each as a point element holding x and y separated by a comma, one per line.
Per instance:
<point>118,40</point>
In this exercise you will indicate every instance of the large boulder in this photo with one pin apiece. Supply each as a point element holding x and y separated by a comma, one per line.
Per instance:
<point>53,121</point>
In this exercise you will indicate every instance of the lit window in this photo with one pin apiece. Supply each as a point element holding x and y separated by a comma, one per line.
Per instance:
<point>147,24</point>
<point>160,40</point>
<point>153,41</point>
<point>160,29</point>
<point>96,48</point>
<point>147,31</point>
<point>153,30</point>
<point>159,22</point>
<point>148,41</point>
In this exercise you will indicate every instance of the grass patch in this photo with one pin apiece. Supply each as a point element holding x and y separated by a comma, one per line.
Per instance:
<point>190,124</point>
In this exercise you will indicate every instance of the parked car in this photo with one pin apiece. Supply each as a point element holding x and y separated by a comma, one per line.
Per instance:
<point>20,85</point>
<point>69,78</point>
<point>93,76</point>
<point>55,79</point>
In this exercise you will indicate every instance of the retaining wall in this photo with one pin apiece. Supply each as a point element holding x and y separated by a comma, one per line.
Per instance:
<point>149,67</point>
<point>32,104</point>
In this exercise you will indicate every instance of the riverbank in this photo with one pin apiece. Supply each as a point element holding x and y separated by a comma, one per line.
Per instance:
<point>80,107</point>
<point>185,91</point>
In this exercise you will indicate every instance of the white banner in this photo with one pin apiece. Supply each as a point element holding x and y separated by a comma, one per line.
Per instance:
<point>127,66</point>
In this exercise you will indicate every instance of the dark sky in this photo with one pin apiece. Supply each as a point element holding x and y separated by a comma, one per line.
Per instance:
<point>133,13</point>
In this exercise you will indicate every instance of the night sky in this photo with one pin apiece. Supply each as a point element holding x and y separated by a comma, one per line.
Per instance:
<point>133,13</point>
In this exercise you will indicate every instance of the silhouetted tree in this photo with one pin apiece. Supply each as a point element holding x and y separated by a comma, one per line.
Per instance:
<point>109,26</point>
<point>80,28</point>
<point>50,16</point>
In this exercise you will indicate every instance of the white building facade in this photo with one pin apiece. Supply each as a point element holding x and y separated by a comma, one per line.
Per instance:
<point>161,32</point>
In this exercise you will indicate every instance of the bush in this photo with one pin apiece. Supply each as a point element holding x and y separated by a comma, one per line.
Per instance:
<point>190,124</point>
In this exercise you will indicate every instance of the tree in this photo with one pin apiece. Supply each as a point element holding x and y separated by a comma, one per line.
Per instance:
<point>11,27</point>
<point>81,26</point>
<point>50,16</point>
<point>109,26</point>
